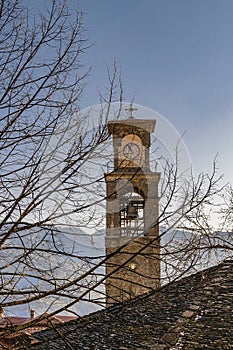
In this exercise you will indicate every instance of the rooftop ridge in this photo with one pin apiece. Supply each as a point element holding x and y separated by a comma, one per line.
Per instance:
<point>197,283</point>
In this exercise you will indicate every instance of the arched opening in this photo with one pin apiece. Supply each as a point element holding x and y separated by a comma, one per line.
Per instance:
<point>132,215</point>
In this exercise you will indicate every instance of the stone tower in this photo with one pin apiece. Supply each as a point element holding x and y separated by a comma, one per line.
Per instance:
<point>132,234</point>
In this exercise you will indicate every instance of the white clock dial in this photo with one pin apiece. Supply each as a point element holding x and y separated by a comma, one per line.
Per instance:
<point>131,151</point>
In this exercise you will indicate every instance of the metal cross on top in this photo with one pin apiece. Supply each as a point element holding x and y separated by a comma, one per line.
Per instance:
<point>131,109</point>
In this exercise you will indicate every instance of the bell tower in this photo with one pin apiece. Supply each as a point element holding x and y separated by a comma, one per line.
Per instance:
<point>132,231</point>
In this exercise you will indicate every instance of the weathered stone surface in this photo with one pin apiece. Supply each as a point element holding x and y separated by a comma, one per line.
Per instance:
<point>128,279</point>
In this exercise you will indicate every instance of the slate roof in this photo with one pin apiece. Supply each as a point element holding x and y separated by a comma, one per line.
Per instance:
<point>12,321</point>
<point>192,313</point>
<point>10,338</point>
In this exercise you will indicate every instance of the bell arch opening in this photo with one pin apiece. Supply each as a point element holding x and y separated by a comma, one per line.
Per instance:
<point>132,217</point>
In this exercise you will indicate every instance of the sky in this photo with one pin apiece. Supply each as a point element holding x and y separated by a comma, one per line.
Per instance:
<point>176,58</point>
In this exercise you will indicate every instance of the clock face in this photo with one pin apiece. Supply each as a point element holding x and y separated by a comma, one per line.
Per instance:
<point>131,151</point>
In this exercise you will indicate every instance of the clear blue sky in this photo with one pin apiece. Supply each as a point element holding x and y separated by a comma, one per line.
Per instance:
<point>177,58</point>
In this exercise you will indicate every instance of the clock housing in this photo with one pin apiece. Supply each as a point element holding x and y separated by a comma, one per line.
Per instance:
<point>130,152</point>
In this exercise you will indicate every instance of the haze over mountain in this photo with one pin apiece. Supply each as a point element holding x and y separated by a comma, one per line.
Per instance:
<point>82,251</point>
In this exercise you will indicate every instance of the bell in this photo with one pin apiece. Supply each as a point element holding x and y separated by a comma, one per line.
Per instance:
<point>131,213</point>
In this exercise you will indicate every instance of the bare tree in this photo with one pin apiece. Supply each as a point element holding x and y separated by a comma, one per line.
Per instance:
<point>49,185</point>
<point>193,239</point>
<point>226,211</point>
<point>42,79</point>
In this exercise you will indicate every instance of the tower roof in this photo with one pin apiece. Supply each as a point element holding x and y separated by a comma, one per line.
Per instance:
<point>145,124</point>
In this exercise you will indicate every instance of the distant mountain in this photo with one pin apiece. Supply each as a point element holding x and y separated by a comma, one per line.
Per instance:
<point>181,250</point>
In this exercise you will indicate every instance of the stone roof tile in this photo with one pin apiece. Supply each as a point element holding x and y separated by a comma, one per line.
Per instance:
<point>192,313</point>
